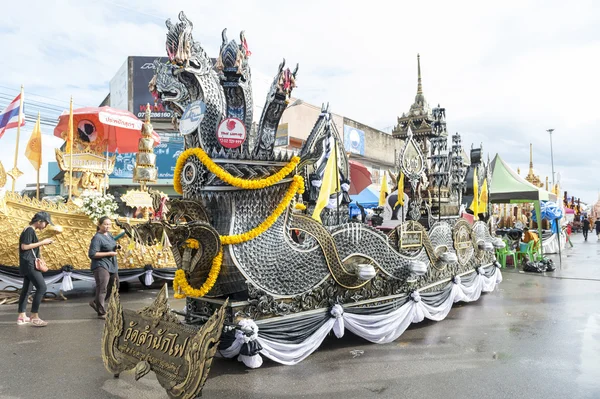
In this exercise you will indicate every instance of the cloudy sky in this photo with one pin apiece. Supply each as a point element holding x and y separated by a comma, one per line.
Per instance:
<point>505,72</point>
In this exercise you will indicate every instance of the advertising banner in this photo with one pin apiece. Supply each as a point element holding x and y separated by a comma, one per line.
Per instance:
<point>143,72</point>
<point>282,137</point>
<point>166,152</point>
<point>354,140</point>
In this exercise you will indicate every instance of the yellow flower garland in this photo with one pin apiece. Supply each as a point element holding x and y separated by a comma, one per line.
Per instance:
<point>300,207</point>
<point>180,283</point>
<point>192,243</point>
<point>226,176</point>
<point>182,288</point>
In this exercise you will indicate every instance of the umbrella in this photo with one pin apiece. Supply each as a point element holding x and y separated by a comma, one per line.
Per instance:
<point>360,177</point>
<point>107,128</point>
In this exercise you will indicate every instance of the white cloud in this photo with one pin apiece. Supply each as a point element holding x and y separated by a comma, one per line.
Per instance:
<point>505,72</point>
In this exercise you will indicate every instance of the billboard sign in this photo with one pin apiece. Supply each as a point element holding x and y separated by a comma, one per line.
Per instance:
<point>167,152</point>
<point>282,137</point>
<point>354,140</point>
<point>119,95</point>
<point>143,72</point>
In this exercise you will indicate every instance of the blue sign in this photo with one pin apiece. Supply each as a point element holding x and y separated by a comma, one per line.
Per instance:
<point>354,140</point>
<point>167,152</point>
<point>191,118</point>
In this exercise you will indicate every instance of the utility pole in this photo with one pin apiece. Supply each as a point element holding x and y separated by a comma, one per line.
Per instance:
<point>551,156</point>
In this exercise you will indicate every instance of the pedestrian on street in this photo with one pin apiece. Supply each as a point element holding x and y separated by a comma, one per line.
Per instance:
<point>103,254</point>
<point>597,224</point>
<point>586,228</point>
<point>29,250</point>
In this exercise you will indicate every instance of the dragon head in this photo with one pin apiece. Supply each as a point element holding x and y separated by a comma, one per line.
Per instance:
<point>232,62</point>
<point>287,81</point>
<point>183,50</point>
<point>166,86</point>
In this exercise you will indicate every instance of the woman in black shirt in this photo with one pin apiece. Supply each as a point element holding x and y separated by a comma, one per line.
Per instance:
<point>28,252</point>
<point>103,254</point>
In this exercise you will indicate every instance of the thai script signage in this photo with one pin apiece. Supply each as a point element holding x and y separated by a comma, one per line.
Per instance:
<point>411,239</point>
<point>153,339</point>
<point>231,133</point>
<point>85,162</point>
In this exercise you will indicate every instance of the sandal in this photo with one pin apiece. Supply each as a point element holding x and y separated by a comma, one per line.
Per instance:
<point>23,320</point>
<point>38,323</point>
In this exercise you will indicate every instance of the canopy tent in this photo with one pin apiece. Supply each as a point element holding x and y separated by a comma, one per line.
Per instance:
<point>367,198</point>
<point>510,188</point>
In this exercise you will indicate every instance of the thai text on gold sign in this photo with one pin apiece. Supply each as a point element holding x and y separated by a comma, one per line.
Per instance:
<point>411,239</point>
<point>162,344</point>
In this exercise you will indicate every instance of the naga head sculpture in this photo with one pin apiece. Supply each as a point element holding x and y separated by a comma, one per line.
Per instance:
<point>166,86</point>
<point>232,62</point>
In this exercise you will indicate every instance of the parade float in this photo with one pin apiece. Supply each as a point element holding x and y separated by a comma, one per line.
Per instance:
<point>86,165</point>
<point>264,235</point>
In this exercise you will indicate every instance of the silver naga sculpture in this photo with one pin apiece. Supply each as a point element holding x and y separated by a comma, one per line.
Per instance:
<point>298,263</point>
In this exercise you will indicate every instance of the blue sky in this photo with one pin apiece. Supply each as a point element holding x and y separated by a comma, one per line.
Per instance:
<point>505,72</point>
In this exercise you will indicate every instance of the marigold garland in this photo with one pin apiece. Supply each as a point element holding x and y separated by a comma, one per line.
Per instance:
<point>297,186</point>
<point>192,243</point>
<point>300,207</point>
<point>182,288</point>
<point>226,176</point>
<point>180,283</point>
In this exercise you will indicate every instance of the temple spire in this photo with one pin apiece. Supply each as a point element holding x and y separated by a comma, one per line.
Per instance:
<point>419,86</point>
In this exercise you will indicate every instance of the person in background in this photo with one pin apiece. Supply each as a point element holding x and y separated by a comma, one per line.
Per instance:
<point>597,224</point>
<point>586,228</point>
<point>29,250</point>
<point>103,254</point>
<point>530,236</point>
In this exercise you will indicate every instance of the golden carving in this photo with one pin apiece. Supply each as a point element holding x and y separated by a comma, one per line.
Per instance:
<point>86,161</point>
<point>137,198</point>
<point>2,175</point>
<point>70,247</point>
<point>156,340</point>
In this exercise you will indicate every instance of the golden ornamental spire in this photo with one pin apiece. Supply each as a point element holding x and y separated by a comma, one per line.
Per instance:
<point>148,113</point>
<point>530,158</point>
<point>419,86</point>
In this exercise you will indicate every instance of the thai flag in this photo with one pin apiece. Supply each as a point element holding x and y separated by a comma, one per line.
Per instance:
<point>9,118</point>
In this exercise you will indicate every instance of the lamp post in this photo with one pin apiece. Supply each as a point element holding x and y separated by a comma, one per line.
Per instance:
<point>551,155</point>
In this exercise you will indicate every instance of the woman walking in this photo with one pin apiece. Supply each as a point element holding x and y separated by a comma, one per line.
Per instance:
<point>103,254</point>
<point>29,250</point>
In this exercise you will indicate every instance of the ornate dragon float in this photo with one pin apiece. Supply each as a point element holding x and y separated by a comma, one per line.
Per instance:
<point>243,231</point>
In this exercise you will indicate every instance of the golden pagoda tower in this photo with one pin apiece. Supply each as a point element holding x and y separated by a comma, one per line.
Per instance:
<point>531,177</point>
<point>145,166</point>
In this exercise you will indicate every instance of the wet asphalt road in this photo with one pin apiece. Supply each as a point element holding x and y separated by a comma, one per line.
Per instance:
<point>536,336</point>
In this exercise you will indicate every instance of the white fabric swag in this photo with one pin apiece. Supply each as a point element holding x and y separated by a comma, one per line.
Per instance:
<point>381,328</point>
<point>68,277</point>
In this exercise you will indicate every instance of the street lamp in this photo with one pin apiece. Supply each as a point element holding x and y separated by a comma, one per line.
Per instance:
<point>551,155</point>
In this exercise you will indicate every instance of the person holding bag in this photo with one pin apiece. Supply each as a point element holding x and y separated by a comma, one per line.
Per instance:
<point>29,258</point>
<point>103,254</point>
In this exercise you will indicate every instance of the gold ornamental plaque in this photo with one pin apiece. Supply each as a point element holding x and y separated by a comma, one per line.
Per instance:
<point>153,339</point>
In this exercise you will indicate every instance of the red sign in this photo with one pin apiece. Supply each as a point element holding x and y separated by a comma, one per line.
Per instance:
<point>231,133</point>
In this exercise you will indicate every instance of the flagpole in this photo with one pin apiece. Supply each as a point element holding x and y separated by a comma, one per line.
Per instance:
<point>71,139</point>
<point>18,135</point>
<point>37,186</point>
<point>337,195</point>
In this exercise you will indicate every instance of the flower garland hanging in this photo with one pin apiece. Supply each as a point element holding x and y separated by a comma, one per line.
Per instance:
<point>297,186</point>
<point>226,176</point>
<point>180,284</point>
<point>182,288</point>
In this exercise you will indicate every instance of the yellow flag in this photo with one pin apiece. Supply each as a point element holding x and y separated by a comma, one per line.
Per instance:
<point>483,198</point>
<point>330,184</point>
<point>69,143</point>
<point>400,185</point>
<point>384,190</point>
<point>33,151</point>
<point>474,204</point>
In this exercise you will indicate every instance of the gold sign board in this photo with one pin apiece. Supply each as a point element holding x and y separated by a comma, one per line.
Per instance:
<point>137,198</point>
<point>153,339</point>
<point>411,239</point>
<point>85,162</point>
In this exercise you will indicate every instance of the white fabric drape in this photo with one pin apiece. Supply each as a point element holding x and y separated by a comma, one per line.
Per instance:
<point>550,245</point>
<point>68,277</point>
<point>376,328</point>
